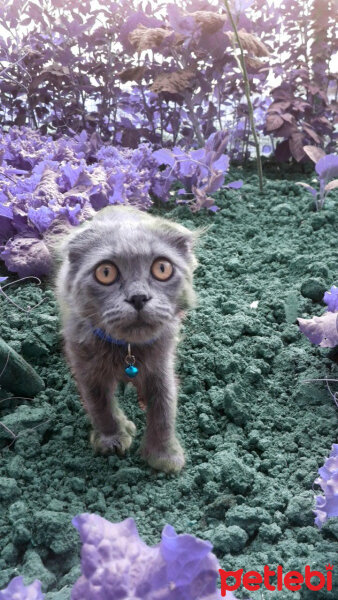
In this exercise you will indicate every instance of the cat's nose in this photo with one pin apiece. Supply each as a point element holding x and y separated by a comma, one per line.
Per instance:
<point>138,301</point>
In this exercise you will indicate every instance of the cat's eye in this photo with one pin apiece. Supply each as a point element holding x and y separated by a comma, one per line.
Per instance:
<point>106,273</point>
<point>162,269</point>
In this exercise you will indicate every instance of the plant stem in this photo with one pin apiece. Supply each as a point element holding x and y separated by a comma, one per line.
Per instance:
<point>248,98</point>
<point>194,120</point>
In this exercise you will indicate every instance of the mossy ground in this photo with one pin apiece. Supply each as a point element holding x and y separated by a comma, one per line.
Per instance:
<point>255,434</point>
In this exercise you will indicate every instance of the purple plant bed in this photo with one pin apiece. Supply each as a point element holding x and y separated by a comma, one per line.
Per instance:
<point>50,186</point>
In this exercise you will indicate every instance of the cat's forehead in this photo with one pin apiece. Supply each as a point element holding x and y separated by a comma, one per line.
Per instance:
<point>129,238</point>
<point>117,232</point>
<point>132,240</point>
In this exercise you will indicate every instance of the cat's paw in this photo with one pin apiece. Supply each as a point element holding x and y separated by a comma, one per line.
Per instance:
<point>119,442</point>
<point>169,459</point>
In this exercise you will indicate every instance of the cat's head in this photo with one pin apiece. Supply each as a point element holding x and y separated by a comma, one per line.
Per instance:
<point>130,273</point>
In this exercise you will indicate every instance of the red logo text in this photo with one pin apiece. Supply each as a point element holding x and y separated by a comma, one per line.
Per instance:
<point>291,580</point>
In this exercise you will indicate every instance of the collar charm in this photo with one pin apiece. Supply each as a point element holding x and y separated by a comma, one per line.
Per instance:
<point>131,371</point>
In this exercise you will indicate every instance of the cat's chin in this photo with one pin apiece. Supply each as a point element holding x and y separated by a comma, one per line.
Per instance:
<point>137,333</point>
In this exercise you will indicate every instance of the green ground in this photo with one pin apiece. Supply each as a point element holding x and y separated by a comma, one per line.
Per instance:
<point>254,433</point>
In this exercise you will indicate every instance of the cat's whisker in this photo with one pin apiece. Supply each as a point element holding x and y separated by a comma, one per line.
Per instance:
<point>109,314</point>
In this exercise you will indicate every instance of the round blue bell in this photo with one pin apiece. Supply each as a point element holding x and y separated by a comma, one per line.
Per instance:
<point>131,371</point>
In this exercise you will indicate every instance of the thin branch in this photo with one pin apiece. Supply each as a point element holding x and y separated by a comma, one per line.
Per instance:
<point>5,367</point>
<point>25,310</point>
<point>334,395</point>
<point>247,94</point>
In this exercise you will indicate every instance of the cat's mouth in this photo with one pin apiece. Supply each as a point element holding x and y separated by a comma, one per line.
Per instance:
<point>140,322</point>
<point>138,329</point>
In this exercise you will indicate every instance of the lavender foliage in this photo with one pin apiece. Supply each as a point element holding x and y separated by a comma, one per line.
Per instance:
<point>327,504</point>
<point>201,172</point>
<point>16,590</point>
<point>49,183</point>
<point>171,80</point>
<point>117,564</point>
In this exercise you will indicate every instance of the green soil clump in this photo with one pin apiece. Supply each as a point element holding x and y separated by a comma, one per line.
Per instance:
<point>254,433</point>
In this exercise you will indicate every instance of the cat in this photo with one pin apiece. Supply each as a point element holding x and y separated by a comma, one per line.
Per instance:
<point>124,283</point>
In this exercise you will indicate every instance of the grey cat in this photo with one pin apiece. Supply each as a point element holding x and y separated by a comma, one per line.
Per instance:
<point>125,279</point>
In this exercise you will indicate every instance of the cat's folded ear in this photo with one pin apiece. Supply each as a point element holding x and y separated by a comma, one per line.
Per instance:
<point>78,243</point>
<point>182,238</point>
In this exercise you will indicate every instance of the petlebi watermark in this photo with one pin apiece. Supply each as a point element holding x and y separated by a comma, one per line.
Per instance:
<point>290,580</point>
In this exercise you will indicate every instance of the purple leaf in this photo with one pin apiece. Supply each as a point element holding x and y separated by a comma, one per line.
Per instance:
<point>240,6</point>
<point>2,279</point>
<point>16,590</point>
<point>116,563</point>
<point>214,183</point>
<point>41,217</point>
<point>273,122</point>
<point>314,153</point>
<point>235,184</point>
<point>308,187</point>
<point>164,157</point>
<point>180,23</point>
<point>332,185</point>
<point>296,145</point>
<point>5,208</point>
<point>72,173</point>
<point>327,506</point>
<point>198,155</point>
<point>222,163</point>
<point>322,331</point>
<point>331,299</point>
<point>327,167</point>
<point>27,255</point>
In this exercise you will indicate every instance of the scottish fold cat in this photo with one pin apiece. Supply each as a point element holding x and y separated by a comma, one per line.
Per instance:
<point>125,279</point>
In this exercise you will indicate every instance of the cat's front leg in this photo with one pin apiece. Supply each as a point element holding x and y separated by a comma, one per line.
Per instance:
<point>112,431</point>
<point>160,446</point>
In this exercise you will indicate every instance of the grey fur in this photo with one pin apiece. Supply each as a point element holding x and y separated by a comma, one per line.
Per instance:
<point>132,240</point>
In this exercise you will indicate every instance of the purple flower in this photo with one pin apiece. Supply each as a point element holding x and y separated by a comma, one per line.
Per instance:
<point>331,299</point>
<point>117,564</point>
<point>327,505</point>
<point>16,590</point>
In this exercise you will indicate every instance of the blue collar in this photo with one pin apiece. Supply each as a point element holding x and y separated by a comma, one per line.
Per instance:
<point>107,338</point>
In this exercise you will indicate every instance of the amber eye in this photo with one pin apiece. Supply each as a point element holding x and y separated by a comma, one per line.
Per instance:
<point>106,273</point>
<point>162,269</point>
